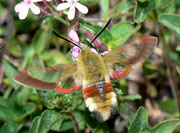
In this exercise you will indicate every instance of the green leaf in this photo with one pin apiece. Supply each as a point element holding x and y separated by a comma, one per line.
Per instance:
<point>14,48</point>
<point>132,97</point>
<point>6,111</point>
<point>41,40</point>
<point>89,3</point>
<point>22,97</point>
<point>10,109</point>
<point>28,24</point>
<point>78,116</point>
<point>140,122</point>
<point>149,69</point>
<point>170,7</point>
<point>166,126</point>
<point>142,0</point>
<point>16,113</point>
<point>11,127</point>
<point>169,106</point>
<point>46,20</point>
<point>105,37</point>
<point>54,58</point>
<point>171,21</point>
<point>7,93</point>
<point>174,56</point>
<point>105,7</point>
<point>163,3</point>
<point>34,125</point>
<point>122,7</point>
<point>121,32</point>
<point>28,53</point>
<point>3,30</point>
<point>142,8</point>
<point>10,72</point>
<point>178,48</point>
<point>44,123</point>
<point>62,102</point>
<point>127,112</point>
<point>66,124</point>
<point>94,124</point>
<point>62,125</point>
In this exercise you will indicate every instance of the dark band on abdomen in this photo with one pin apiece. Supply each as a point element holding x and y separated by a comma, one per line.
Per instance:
<point>101,99</point>
<point>94,90</point>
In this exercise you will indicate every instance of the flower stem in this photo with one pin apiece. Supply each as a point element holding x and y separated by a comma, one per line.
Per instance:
<point>170,70</point>
<point>171,73</point>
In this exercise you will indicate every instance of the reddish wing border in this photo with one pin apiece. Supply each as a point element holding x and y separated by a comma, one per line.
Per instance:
<point>69,70</point>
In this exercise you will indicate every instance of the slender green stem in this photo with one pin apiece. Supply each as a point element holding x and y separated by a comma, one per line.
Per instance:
<point>169,64</point>
<point>75,123</point>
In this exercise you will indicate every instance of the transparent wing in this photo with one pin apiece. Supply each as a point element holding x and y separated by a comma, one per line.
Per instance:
<point>119,60</point>
<point>118,70</point>
<point>62,78</point>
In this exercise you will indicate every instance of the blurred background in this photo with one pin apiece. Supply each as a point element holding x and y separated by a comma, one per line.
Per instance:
<point>29,44</point>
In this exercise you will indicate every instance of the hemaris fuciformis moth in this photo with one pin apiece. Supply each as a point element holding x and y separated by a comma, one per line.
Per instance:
<point>93,73</point>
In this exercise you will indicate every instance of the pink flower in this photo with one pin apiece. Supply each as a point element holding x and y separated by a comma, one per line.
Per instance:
<point>72,5</point>
<point>75,50</point>
<point>23,8</point>
<point>118,70</point>
<point>75,53</point>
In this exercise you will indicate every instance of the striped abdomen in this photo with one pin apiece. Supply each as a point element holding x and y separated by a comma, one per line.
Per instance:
<point>101,99</point>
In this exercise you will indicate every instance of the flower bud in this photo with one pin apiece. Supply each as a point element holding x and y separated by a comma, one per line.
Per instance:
<point>49,2</point>
<point>97,43</point>
<point>42,13</point>
<point>58,2</point>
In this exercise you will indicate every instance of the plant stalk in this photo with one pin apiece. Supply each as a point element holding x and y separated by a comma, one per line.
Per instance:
<point>169,64</point>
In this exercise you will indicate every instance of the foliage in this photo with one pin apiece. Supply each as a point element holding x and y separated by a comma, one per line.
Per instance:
<point>30,44</point>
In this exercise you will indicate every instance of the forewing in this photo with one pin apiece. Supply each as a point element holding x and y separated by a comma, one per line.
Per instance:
<point>27,80</point>
<point>63,76</point>
<point>119,60</point>
<point>134,51</point>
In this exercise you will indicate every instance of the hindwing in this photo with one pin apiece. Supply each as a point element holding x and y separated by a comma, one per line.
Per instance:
<point>119,60</point>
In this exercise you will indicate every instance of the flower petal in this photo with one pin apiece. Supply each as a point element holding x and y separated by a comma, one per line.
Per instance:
<point>75,53</point>
<point>23,12</point>
<point>35,9</point>
<point>36,0</point>
<point>71,13</point>
<point>62,6</point>
<point>94,50</point>
<point>73,35</point>
<point>118,70</point>
<point>82,8</point>
<point>18,7</point>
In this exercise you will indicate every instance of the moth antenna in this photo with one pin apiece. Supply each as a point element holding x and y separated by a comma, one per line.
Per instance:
<point>101,31</point>
<point>58,35</point>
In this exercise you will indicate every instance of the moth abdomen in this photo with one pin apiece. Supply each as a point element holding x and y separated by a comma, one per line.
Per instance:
<point>100,98</point>
<point>101,116</point>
